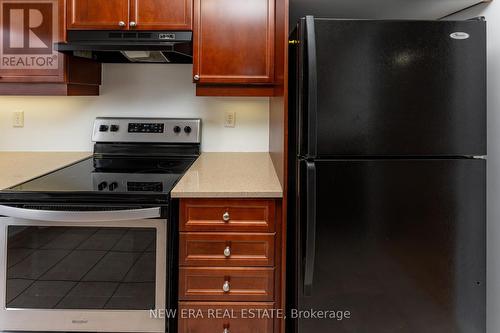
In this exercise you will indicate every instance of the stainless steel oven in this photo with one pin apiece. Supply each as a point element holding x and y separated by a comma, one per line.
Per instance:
<point>71,270</point>
<point>89,247</point>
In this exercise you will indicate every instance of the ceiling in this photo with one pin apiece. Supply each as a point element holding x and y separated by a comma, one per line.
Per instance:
<point>377,9</point>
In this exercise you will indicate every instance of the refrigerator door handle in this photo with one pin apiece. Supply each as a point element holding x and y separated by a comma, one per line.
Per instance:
<point>312,84</point>
<point>310,245</point>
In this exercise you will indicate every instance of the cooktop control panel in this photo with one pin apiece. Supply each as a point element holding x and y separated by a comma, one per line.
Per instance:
<point>151,130</point>
<point>133,182</point>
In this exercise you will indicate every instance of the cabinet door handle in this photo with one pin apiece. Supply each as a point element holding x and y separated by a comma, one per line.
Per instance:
<point>226,217</point>
<point>227,252</point>
<point>226,330</point>
<point>226,287</point>
<point>121,23</point>
<point>133,24</point>
<point>196,77</point>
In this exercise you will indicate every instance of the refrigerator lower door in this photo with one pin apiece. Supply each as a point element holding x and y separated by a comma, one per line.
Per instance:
<point>395,245</point>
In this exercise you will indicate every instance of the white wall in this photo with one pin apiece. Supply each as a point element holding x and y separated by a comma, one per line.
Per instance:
<point>492,13</point>
<point>65,123</point>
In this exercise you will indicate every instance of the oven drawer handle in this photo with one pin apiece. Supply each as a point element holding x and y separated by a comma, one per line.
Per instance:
<point>85,216</point>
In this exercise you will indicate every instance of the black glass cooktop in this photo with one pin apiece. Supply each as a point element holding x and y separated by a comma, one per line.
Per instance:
<point>102,179</point>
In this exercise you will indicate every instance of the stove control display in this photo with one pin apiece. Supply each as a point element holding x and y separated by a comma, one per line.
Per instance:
<point>146,128</point>
<point>144,186</point>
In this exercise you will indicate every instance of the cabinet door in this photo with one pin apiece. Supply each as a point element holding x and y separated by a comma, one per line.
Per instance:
<point>233,41</point>
<point>98,14</point>
<point>211,317</point>
<point>161,14</point>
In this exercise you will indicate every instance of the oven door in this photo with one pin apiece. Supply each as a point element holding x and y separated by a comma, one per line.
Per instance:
<point>82,271</point>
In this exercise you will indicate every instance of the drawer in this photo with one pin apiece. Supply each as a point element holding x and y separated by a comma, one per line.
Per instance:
<point>226,249</point>
<point>227,215</point>
<point>226,284</point>
<point>209,317</point>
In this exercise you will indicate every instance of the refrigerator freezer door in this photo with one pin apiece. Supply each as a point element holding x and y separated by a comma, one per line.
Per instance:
<point>400,244</point>
<point>402,88</point>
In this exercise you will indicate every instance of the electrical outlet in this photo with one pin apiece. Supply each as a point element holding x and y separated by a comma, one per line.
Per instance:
<point>18,119</point>
<point>230,119</point>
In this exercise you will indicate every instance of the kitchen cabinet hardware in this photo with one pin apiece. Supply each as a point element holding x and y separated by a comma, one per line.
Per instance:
<point>226,217</point>
<point>226,330</point>
<point>227,252</point>
<point>226,287</point>
<point>121,24</point>
<point>196,77</point>
<point>132,24</point>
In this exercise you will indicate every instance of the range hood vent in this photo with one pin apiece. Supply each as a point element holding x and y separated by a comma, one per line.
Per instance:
<point>130,46</point>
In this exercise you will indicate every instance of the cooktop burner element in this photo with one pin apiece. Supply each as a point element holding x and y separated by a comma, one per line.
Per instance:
<point>134,160</point>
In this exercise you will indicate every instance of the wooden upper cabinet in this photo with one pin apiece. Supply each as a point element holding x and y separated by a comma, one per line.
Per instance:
<point>130,14</point>
<point>233,41</point>
<point>161,14</point>
<point>98,14</point>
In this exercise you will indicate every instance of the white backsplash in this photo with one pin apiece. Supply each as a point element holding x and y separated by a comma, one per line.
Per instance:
<point>147,90</point>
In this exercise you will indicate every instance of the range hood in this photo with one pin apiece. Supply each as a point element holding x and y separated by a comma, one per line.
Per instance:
<point>130,46</point>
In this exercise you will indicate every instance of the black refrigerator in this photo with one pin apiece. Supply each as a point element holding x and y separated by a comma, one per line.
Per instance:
<point>387,186</point>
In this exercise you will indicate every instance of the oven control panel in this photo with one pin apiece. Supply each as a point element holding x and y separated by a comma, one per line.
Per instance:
<point>150,130</point>
<point>132,182</point>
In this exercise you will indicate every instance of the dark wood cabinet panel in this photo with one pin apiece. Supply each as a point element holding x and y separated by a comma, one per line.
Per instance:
<point>73,77</point>
<point>252,215</point>
<point>228,90</point>
<point>130,14</point>
<point>226,249</point>
<point>233,41</point>
<point>233,257</point>
<point>226,284</point>
<point>238,323</point>
<point>97,14</point>
<point>161,14</point>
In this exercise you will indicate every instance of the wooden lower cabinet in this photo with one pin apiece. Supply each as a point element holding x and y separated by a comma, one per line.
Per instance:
<point>212,317</point>
<point>226,284</point>
<point>230,266</point>
<point>226,249</point>
<point>255,215</point>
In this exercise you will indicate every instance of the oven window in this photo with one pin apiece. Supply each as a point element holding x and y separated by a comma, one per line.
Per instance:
<point>81,268</point>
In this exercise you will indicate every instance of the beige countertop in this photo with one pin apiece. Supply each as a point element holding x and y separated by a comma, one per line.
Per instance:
<point>17,167</point>
<point>230,175</point>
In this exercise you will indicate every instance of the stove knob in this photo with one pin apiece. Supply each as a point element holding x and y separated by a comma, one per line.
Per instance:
<point>103,128</point>
<point>187,129</point>
<point>114,128</point>
<point>113,186</point>
<point>102,186</point>
<point>177,129</point>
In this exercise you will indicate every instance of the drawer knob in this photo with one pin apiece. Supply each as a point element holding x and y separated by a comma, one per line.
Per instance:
<point>226,287</point>
<point>227,252</point>
<point>226,330</point>
<point>196,77</point>
<point>226,217</point>
<point>121,24</point>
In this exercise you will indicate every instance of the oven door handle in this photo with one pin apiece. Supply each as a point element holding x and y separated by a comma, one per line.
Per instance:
<point>76,216</point>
